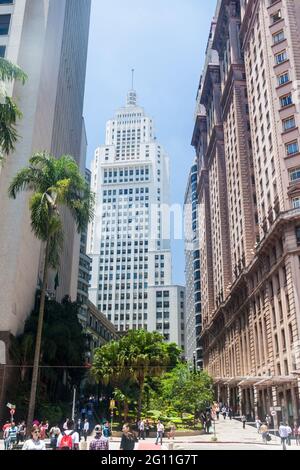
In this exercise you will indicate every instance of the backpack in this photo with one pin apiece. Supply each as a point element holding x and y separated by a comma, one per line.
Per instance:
<point>66,442</point>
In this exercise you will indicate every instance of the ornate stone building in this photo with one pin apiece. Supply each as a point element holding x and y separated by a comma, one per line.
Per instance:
<point>251,332</point>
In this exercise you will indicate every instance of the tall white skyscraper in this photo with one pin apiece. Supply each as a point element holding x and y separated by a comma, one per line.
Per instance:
<point>129,240</point>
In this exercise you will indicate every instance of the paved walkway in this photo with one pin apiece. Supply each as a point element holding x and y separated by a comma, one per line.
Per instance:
<point>229,434</point>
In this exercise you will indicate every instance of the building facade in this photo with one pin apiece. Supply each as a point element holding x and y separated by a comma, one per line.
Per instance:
<point>129,239</point>
<point>48,39</point>
<point>193,320</point>
<point>251,334</point>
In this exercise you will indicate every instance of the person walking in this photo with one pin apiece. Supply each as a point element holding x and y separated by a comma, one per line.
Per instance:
<point>264,431</point>
<point>13,435</point>
<point>159,432</point>
<point>54,433</point>
<point>99,442</point>
<point>128,438</point>
<point>69,439</point>
<point>142,429</point>
<point>35,442</point>
<point>86,428</point>
<point>244,420</point>
<point>21,432</point>
<point>171,434</point>
<point>218,412</point>
<point>290,433</point>
<point>283,433</point>
<point>224,412</point>
<point>147,428</point>
<point>106,431</point>
<point>258,423</point>
<point>6,437</point>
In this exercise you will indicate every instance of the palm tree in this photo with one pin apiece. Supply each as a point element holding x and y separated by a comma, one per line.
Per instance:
<point>9,111</point>
<point>138,355</point>
<point>55,183</point>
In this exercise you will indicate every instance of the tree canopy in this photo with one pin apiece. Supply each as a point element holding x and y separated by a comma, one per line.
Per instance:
<point>135,357</point>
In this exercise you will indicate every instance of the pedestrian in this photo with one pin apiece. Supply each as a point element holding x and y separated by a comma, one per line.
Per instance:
<point>264,431</point>
<point>171,434</point>
<point>159,432</point>
<point>128,438</point>
<point>298,436</point>
<point>35,442</point>
<point>283,433</point>
<point>13,435</point>
<point>43,429</point>
<point>224,412</point>
<point>99,442</point>
<point>142,429</point>
<point>21,432</point>
<point>258,423</point>
<point>6,437</point>
<point>54,434</point>
<point>244,420</point>
<point>290,433</point>
<point>268,420</point>
<point>86,428</point>
<point>147,428</point>
<point>218,412</point>
<point>208,423</point>
<point>106,430</point>
<point>79,425</point>
<point>69,439</point>
<point>230,413</point>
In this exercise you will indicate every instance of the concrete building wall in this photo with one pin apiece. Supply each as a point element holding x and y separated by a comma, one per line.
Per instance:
<point>48,39</point>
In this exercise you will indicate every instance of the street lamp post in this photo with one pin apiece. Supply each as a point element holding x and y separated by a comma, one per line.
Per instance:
<point>74,402</point>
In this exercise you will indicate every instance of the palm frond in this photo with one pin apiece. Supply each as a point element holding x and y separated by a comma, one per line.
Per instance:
<point>26,180</point>
<point>9,113</point>
<point>39,216</point>
<point>10,72</point>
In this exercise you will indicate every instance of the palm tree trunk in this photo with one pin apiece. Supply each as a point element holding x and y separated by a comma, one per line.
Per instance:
<point>141,391</point>
<point>38,342</point>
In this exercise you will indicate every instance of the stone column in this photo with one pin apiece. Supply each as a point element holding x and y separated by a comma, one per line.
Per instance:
<point>294,403</point>
<point>228,395</point>
<point>240,395</point>
<point>275,403</point>
<point>255,394</point>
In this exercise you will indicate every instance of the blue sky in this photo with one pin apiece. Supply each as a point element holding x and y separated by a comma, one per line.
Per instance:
<point>165,41</point>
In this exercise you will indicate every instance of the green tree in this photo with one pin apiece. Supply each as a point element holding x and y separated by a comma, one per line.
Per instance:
<point>9,111</point>
<point>185,391</point>
<point>55,183</point>
<point>138,355</point>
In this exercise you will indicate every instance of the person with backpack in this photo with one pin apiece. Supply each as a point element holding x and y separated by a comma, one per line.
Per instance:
<point>35,443</point>
<point>69,439</point>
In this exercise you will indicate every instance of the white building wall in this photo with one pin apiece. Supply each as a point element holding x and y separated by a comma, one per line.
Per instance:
<point>130,176</point>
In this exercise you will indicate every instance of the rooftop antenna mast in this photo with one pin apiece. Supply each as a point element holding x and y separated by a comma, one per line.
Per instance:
<point>132,81</point>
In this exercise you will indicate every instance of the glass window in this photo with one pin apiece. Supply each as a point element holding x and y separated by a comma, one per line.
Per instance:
<point>289,123</point>
<point>292,148</point>
<point>4,24</point>
<point>295,174</point>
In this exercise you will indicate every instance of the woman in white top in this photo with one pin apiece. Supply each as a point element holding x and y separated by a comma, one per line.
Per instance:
<point>34,443</point>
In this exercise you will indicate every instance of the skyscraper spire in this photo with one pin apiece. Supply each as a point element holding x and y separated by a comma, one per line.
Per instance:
<point>131,95</point>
